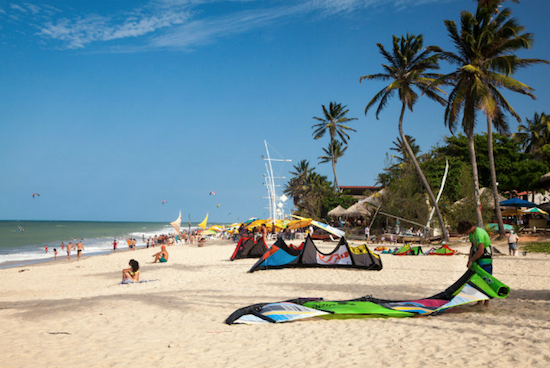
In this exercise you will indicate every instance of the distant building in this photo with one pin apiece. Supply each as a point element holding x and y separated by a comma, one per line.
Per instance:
<point>535,197</point>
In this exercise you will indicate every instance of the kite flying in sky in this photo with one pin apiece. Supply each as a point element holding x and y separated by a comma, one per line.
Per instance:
<point>163,202</point>
<point>212,193</point>
<point>35,194</point>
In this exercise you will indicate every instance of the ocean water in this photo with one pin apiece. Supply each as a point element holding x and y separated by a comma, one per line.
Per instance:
<point>24,242</point>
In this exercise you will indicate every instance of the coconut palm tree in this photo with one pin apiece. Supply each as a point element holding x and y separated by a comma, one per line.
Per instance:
<point>493,4</point>
<point>485,58</point>
<point>534,134</point>
<point>297,186</point>
<point>400,148</point>
<point>334,122</point>
<point>407,70</point>
<point>336,149</point>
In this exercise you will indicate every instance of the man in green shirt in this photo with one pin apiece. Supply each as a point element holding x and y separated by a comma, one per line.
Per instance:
<point>481,251</point>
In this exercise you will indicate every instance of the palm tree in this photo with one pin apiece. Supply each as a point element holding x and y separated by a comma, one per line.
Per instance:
<point>297,186</point>
<point>407,68</point>
<point>400,148</point>
<point>534,134</point>
<point>336,149</point>
<point>486,46</point>
<point>334,121</point>
<point>493,4</point>
<point>307,189</point>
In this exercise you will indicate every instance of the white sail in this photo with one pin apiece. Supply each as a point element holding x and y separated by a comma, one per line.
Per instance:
<point>176,224</point>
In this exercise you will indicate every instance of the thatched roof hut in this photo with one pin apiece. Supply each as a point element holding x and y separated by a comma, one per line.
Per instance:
<point>545,179</point>
<point>357,210</point>
<point>337,211</point>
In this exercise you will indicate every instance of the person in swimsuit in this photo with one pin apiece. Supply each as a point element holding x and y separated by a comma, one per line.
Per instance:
<point>69,247</point>
<point>131,275</point>
<point>481,251</point>
<point>79,249</point>
<point>161,256</point>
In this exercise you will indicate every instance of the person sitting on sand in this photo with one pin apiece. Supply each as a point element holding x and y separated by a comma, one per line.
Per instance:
<point>161,256</point>
<point>201,242</point>
<point>131,275</point>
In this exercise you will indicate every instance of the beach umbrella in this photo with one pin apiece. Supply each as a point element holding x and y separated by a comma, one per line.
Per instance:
<point>256,223</point>
<point>337,211</point>
<point>535,210</point>
<point>279,225</point>
<point>517,202</point>
<point>357,210</point>
<point>207,232</point>
<point>298,224</point>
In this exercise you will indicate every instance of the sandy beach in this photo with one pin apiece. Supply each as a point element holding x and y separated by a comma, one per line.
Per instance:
<point>75,314</point>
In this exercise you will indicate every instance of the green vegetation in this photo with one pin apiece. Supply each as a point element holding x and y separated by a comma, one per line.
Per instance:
<point>409,68</point>
<point>539,247</point>
<point>487,43</point>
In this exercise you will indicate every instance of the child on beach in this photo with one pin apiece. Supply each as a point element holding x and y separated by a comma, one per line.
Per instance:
<point>55,253</point>
<point>131,275</point>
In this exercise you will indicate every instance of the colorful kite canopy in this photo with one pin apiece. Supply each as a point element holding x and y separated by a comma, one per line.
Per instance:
<point>475,285</point>
<point>248,248</point>
<point>407,250</point>
<point>280,255</point>
<point>444,250</point>
<point>35,194</point>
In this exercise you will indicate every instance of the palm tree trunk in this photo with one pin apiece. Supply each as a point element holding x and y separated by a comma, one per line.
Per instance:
<point>422,176</point>
<point>492,168</point>
<point>336,186</point>
<point>475,177</point>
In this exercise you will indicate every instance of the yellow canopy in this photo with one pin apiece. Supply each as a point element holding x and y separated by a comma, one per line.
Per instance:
<point>279,225</point>
<point>256,223</point>
<point>298,224</point>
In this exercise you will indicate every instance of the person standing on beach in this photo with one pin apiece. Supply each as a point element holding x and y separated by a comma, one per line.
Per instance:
<point>264,231</point>
<point>79,249</point>
<point>69,247</point>
<point>513,238</point>
<point>481,251</point>
<point>62,246</point>
<point>367,233</point>
<point>114,245</point>
<point>55,253</point>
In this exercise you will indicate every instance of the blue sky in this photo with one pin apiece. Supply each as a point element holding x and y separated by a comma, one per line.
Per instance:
<point>107,108</point>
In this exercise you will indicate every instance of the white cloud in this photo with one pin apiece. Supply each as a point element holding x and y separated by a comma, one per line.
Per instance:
<point>207,30</point>
<point>80,32</point>
<point>35,9</point>
<point>181,24</point>
<point>17,7</point>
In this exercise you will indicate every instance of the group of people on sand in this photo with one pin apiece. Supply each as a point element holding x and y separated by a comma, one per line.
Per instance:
<point>78,246</point>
